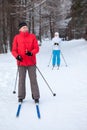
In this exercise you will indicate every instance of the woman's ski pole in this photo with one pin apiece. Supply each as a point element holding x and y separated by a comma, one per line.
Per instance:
<point>50,60</point>
<point>63,58</point>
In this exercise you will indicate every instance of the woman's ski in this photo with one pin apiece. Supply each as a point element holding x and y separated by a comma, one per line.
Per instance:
<point>55,68</point>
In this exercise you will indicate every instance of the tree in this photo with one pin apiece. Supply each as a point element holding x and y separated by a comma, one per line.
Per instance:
<point>4,26</point>
<point>78,24</point>
<point>42,16</point>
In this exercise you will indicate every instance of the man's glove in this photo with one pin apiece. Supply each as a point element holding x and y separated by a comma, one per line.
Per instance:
<point>19,58</point>
<point>28,53</point>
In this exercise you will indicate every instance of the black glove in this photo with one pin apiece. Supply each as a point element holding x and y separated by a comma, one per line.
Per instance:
<point>56,43</point>
<point>19,58</point>
<point>28,53</point>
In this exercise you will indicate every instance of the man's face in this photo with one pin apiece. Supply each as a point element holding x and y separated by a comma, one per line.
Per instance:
<point>24,29</point>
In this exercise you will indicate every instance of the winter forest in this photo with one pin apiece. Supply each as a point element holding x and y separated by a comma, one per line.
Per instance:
<point>44,17</point>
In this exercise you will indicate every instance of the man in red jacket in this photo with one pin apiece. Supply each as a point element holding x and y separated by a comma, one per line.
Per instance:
<point>24,49</point>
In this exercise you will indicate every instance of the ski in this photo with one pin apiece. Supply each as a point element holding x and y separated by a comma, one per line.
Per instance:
<point>55,68</point>
<point>18,110</point>
<point>38,111</point>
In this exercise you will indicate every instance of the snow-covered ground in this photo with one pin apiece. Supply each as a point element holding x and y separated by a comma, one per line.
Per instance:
<point>66,111</point>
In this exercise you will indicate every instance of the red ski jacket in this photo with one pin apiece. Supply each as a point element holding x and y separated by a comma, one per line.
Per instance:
<point>23,42</point>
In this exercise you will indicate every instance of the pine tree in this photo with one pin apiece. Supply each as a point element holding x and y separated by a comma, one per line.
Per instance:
<point>78,24</point>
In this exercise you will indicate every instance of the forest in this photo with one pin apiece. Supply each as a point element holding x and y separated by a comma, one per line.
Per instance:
<point>43,17</point>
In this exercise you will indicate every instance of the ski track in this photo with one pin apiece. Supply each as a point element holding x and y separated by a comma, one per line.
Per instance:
<point>66,111</point>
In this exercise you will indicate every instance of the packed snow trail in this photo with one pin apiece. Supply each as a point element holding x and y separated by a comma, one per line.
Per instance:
<point>66,111</point>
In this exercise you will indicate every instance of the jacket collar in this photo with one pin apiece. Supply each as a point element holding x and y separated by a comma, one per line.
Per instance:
<point>24,34</point>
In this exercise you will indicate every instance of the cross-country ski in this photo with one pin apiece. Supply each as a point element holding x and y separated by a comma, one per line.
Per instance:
<point>38,111</point>
<point>18,109</point>
<point>55,68</point>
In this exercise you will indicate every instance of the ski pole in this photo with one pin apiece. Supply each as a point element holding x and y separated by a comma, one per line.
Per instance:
<point>63,59</point>
<point>14,91</point>
<point>50,60</point>
<point>54,94</point>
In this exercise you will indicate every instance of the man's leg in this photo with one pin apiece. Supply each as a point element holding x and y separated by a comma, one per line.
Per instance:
<point>33,82</point>
<point>21,85</point>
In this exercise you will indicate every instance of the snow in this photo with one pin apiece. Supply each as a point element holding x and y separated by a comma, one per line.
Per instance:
<point>66,111</point>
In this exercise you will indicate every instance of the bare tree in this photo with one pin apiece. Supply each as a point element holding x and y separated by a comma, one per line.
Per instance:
<point>42,16</point>
<point>4,26</point>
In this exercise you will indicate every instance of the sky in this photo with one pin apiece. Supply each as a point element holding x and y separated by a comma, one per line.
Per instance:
<point>67,110</point>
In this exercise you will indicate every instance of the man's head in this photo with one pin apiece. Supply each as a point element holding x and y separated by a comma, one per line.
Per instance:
<point>23,27</point>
